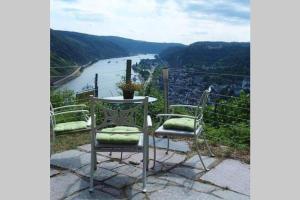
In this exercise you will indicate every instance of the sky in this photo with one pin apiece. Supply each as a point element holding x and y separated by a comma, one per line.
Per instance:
<point>182,21</point>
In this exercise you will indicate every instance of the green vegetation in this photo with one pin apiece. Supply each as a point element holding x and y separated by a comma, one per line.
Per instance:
<point>221,129</point>
<point>230,57</point>
<point>231,131</point>
<point>72,48</point>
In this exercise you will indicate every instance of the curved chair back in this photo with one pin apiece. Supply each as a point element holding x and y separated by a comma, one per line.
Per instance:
<point>119,112</point>
<point>201,106</point>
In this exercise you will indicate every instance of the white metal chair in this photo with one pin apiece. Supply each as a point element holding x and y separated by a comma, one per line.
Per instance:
<point>81,122</point>
<point>178,125</point>
<point>118,131</point>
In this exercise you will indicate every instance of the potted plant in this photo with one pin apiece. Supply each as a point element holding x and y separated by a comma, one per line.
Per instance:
<point>129,88</point>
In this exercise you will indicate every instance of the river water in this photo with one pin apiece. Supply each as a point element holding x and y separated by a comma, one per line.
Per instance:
<point>109,72</point>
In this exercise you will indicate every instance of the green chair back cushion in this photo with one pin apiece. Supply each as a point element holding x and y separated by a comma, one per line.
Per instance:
<point>118,135</point>
<point>182,123</point>
<point>70,126</point>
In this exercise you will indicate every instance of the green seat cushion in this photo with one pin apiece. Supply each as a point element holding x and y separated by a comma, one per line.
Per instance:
<point>70,126</point>
<point>182,123</point>
<point>119,135</point>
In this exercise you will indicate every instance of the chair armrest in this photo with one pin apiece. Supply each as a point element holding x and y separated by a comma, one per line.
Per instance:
<point>70,106</point>
<point>175,115</point>
<point>186,106</point>
<point>72,111</point>
<point>149,121</point>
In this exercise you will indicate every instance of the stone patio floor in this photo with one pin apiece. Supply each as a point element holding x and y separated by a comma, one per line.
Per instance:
<point>178,175</point>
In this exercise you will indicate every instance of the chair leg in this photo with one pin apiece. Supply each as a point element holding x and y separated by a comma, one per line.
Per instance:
<point>145,170</point>
<point>198,152</point>
<point>92,171</point>
<point>95,161</point>
<point>167,152</point>
<point>121,157</point>
<point>207,146</point>
<point>154,149</point>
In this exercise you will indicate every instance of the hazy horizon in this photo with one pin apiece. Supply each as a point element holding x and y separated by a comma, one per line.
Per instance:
<point>170,21</point>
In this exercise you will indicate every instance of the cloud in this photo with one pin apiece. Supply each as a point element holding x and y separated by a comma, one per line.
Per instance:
<point>156,20</point>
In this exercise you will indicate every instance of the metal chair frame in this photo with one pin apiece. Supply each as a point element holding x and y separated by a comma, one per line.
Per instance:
<point>198,121</point>
<point>63,110</point>
<point>120,117</point>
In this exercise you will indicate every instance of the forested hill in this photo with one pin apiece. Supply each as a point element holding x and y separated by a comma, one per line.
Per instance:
<point>137,46</point>
<point>69,48</point>
<point>210,55</point>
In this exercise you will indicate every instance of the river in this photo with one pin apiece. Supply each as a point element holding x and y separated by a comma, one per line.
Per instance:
<point>109,72</point>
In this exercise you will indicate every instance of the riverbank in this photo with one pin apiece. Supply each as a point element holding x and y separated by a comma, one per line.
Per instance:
<point>110,72</point>
<point>77,72</point>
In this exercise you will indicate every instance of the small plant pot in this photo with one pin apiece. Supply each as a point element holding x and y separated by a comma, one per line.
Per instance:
<point>128,94</point>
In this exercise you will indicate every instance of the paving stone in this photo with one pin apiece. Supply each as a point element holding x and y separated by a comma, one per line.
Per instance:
<point>172,158</point>
<point>130,170</point>
<point>111,190</point>
<point>232,174</point>
<point>174,145</point>
<point>72,159</point>
<point>110,165</point>
<point>168,160</point>
<point>117,155</point>
<point>86,195</point>
<point>196,163</point>
<point>85,147</point>
<point>190,173</point>
<point>99,175</point>
<point>64,185</point>
<point>188,183</point>
<point>176,192</point>
<point>229,195</point>
<point>153,184</point>
<point>134,194</point>
<point>120,181</point>
<point>53,172</point>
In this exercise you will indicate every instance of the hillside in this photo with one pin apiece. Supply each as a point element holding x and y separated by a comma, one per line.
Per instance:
<point>140,47</point>
<point>212,55</point>
<point>77,48</point>
<point>71,48</point>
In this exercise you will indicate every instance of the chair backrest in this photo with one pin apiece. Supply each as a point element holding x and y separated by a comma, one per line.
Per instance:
<point>201,106</point>
<point>121,112</point>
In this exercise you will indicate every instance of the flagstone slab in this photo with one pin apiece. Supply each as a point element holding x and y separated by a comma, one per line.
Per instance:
<point>54,172</point>
<point>153,184</point>
<point>188,183</point>
<point>190,173</point>
<point>120,181</point>
<point>72,159</point>
<point>182,146</point>
<point>85,147</point>
<point>229,195</point>
<point>86,195</point>
<point>177,192</point>
<point>111,165</point>
<point>64,185</point>
<point>129,170</point>
<point>99,175</point>
<point>110,190</point>
<point>115,155</point>
<point>196,163</point>
<point>168,160</point>
<point>134,194</point>
<point>232,174</point>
